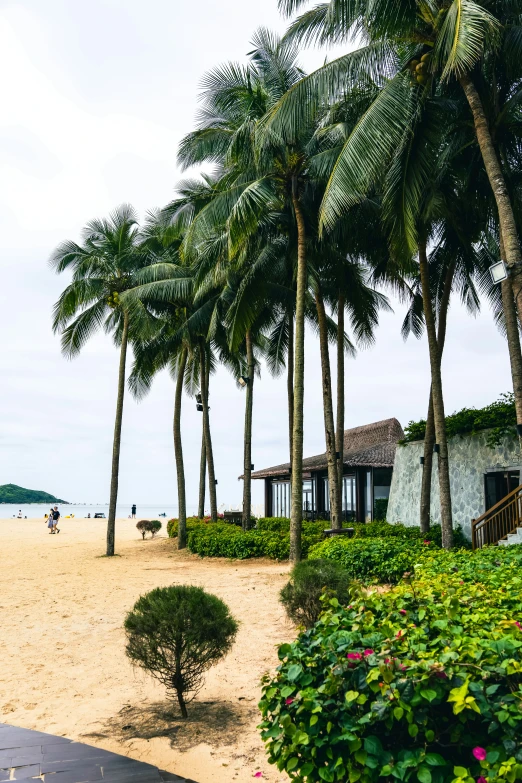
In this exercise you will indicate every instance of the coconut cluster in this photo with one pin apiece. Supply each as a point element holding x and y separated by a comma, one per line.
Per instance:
<point>420,69</point>
<point>113,300</point>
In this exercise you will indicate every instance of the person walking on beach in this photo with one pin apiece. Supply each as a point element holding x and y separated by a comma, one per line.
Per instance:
<point>50,521</point>
<point>56,517</point>
<point>20,514</point>
<point>133,510</point>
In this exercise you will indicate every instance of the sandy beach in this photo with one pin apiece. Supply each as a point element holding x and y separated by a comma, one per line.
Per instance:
<point>64,668</point>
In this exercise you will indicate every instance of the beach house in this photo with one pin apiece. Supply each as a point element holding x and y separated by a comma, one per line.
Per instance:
<point>368,459</point>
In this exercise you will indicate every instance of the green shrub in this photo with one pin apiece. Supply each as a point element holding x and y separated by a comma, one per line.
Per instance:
<point>500,417</point>
<point>301,596</point>
<point>382,560</point>
<point>147,526</point>
<point>220,540</point>
<point>488,566</point>
<point>422,683</point>
<point>155,527</point>
<point>176,634</point>
<point>273,524</point>
<point>192,522</point>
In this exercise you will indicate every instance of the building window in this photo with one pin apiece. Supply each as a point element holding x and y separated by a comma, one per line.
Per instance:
<point>349,497</point>
<point>326,495</point>
<point>381,491</point>
<point>368,505</point>
<point>309,498</point>
<point>282,498</point>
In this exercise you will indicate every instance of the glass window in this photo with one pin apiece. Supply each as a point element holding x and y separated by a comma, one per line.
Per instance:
<point>381,491</point>
<point>368,497</point>
<point>326,494</point>
<point>309,497</point>
<point>349,497</point>
<point>281,498</point>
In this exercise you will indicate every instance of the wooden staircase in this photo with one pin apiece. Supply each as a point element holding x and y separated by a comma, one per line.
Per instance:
<point>501,524</point>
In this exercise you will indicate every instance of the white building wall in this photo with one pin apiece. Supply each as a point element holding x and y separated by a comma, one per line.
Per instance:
<point>469,458</point>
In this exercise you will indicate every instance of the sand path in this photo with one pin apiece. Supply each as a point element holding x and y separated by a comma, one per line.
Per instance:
<point>64,669</point>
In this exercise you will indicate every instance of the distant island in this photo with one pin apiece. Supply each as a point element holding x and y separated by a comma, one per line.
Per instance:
<point>10,493</point>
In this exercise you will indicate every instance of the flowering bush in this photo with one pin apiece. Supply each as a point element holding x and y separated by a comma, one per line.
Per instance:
<point>422,683</point>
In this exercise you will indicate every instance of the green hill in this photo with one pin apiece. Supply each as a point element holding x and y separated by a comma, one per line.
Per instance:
<point>10,493</point>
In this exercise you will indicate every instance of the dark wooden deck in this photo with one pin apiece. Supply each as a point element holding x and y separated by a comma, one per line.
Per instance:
<point>26,756</point>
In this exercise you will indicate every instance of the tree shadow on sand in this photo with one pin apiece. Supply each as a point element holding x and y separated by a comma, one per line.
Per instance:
<point>216,723</point>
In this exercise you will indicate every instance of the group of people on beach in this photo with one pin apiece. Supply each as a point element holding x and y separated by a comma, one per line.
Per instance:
<point>52,520</point>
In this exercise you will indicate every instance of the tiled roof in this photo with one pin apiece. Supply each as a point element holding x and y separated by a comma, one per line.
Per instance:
<point>371,445</point>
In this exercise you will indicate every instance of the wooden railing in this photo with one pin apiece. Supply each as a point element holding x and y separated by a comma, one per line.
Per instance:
<point>499,521</point>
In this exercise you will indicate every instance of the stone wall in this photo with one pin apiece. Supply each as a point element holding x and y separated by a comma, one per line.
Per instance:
<point>470,458</point>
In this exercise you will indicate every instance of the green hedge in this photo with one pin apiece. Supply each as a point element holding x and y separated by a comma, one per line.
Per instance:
<point>382,560</point>
<point>192,523</point>
<point>377,529</point>
<point>230,541</point>
<point>422,683</point>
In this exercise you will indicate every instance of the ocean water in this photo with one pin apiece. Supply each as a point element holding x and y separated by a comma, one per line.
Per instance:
<point>123,510</point>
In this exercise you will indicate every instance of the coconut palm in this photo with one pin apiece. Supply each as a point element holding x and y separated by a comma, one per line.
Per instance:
<point>104,265</point>
<point>167,344</point>
<point>235,101</point>
<point>410,49</point>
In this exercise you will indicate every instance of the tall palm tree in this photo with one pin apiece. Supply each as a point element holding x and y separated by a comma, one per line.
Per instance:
<point>235,100</point>
<point>411,49</point>
<point>167,344</point>
<point>104,265</point>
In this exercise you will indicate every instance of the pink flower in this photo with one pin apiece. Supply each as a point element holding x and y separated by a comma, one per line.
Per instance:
<point>354,656</point>
<point>368,652</point>
<point>289,701</point>
<point>479,753</point>
<point>481,780</point>
<point>258,775</point>
<point>518,624</point>
<point>403,611</point>
<point>387,660</point>
<point>426,542</point>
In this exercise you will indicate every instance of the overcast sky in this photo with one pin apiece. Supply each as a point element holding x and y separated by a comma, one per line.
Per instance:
<point>95,98</point>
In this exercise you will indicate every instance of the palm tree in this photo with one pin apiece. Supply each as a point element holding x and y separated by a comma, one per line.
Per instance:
<point>167,345</point>
<point>235,100</point>
<point>104,265</point>
<point>432,46</point>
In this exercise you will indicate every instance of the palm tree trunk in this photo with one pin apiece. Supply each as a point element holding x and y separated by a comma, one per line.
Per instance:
<point>206,429</point>
<point>111,522</point>
<point>202,477</point>
<point>429,437</point>
<point>329,429</point>
<point>298,429</point>
<point>339,436</point>
<point>438,401</point>
<point>290,380</point>
<point>429,443</point>
<point>178,451</point>
<point>497,181</point>
<point>247,480</point>
<point>513,338</point>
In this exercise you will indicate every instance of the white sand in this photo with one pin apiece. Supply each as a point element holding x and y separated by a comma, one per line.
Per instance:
<point>64,668</point>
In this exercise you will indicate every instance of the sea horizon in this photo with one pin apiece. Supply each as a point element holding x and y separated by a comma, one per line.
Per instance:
<point>123,510</point>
